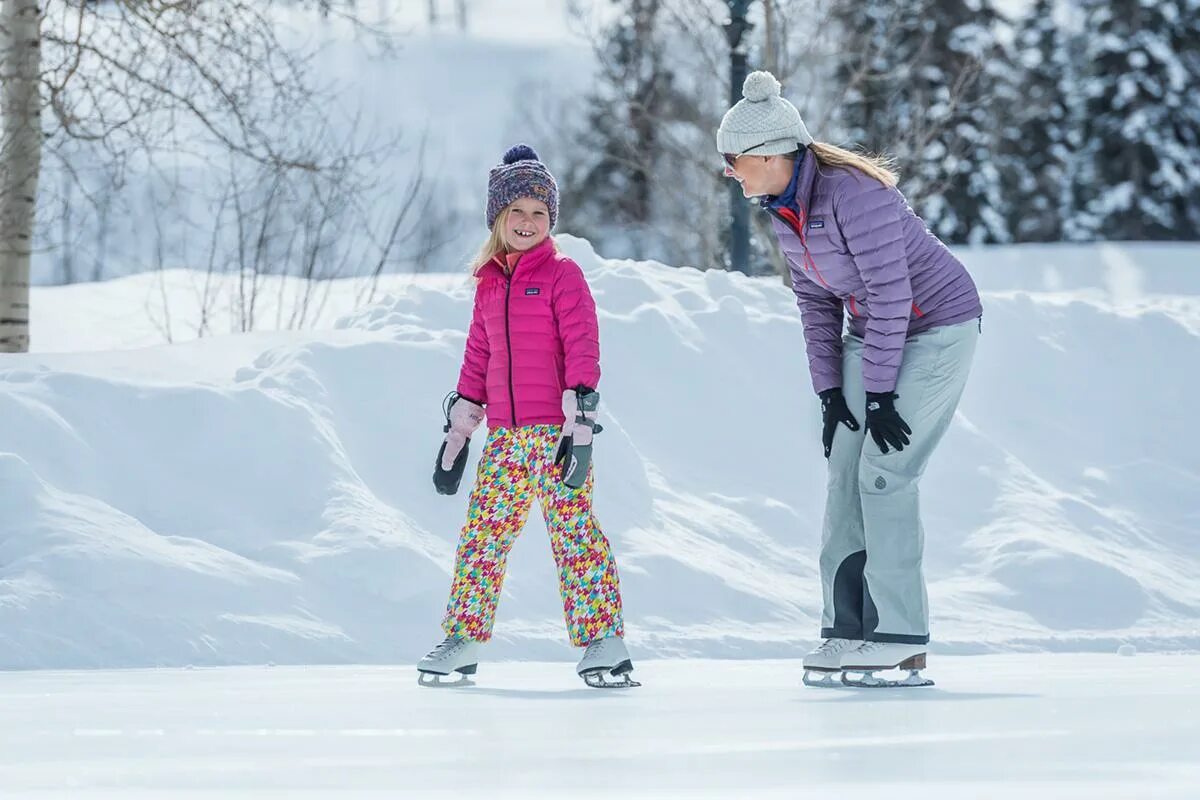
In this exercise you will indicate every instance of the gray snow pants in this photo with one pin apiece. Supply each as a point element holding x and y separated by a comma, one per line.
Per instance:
<point>872,541</point>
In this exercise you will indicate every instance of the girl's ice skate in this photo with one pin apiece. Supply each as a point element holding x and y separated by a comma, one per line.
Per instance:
<point>822,664</point>
<point>606,664</point>
<point>454,654</point>
<point>859,666</point>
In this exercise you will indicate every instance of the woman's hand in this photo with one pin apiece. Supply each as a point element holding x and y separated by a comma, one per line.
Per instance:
<point>833,411</point>
<point>884,422</point>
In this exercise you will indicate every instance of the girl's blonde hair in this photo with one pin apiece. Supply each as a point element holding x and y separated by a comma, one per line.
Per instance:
<point>881,168</point>
<point>494,245</point>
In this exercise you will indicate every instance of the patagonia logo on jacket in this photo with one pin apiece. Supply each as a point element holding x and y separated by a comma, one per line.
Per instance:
<point>816,223</point>
<point>532,290</point>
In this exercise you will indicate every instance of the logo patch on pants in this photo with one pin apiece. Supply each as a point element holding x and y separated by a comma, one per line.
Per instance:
<point>880,483</point>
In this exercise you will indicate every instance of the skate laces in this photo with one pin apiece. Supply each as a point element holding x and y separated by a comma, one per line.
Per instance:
<point>832,645</point>
<point>598,648</point>
<point>448,646</point>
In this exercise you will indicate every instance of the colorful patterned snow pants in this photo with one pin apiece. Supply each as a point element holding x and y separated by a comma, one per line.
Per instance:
<point>517,465</point>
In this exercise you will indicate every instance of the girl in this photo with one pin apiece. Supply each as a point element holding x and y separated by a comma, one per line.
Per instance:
<point>856,248</point>
<point>532,360</point>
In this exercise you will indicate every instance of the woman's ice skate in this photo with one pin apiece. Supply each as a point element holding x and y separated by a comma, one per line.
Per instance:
<point>606,659</point>
<point>822,665</point>
<point>859,666</point>
<point>454,654</point>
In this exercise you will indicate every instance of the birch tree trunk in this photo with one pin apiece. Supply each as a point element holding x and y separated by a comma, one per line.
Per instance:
<point>20,163</point>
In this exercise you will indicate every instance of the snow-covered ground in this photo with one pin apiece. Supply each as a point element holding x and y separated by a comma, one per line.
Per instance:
<point>266,497</point>
<point>1039,727</point>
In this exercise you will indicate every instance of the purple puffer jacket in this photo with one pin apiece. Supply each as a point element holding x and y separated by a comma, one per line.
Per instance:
<point>854,243</point>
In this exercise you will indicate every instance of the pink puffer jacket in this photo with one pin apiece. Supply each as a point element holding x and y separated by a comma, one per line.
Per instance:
<point>532,335</point>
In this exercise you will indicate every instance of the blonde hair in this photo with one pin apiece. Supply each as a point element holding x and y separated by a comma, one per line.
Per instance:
<point>881,168</point>
<point>494,244</point>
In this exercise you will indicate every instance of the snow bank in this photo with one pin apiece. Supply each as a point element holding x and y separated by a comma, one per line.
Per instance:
<point>267,497</point>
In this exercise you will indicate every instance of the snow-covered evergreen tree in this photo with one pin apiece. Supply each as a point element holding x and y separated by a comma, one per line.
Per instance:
<point>622,137</point>
<point>1034,128</point>
<point>920,78</point>
<point>1186,44</point>
<point>875,38</point>
<point>1139,171</point>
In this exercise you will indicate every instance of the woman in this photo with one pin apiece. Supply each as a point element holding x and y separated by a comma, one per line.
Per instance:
<point>855,248</point>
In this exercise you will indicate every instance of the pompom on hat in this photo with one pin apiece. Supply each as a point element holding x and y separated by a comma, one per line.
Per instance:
<point>763,121</point>
<point>520,174</point>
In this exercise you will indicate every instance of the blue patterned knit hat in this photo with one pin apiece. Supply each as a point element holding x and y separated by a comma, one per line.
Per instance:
<point>520,175</point>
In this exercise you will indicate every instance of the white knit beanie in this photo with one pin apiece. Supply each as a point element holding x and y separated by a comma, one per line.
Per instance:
<point>762,122</point>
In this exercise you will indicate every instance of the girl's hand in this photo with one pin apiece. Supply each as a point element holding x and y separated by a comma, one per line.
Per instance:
<point>574,456</point>
<point>462,418</point>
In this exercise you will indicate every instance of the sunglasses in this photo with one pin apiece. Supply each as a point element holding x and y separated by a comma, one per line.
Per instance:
<point>731,158</point>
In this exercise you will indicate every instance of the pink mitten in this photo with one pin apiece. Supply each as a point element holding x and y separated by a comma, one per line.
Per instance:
<point>464,418</point>
<point>574,455</point>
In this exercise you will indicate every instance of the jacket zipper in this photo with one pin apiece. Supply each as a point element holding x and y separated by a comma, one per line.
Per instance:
<point>803,243</point>
<point>512,395</point>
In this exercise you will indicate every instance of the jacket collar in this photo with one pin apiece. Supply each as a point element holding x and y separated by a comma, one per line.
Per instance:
<point>509,263</point>
<point>798,193</point>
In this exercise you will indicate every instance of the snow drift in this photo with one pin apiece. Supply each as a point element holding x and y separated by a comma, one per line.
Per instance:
<point>266,497</point>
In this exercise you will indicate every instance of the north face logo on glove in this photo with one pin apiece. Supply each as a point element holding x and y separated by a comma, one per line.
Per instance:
<point>873,405</point>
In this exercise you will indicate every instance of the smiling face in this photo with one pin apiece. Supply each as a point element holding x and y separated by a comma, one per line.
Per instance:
<point>760,175</point>
<point>526,223</point>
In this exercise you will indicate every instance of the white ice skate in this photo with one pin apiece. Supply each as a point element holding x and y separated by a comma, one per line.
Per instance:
<point>859,666</point>
<point>822,663</point>
<point>454,654</point>
<point>604,659</point>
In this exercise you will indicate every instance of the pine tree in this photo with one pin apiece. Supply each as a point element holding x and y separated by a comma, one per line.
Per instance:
<point>920,78</point>
<point>1139,171</point>
<point>625,113</point>
<point>1035,148</point>
<point>876,37</point>
<point>1186,44</point>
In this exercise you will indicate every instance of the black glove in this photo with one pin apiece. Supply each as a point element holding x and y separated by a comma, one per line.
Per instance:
<point>884,423</point>
<point>833,411</point>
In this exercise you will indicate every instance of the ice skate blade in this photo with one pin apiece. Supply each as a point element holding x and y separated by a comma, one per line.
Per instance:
<point>597,681</point>
<point>822,678</point>
<point>598,678</point>
<point>867,680</point>
<point>434,679</point>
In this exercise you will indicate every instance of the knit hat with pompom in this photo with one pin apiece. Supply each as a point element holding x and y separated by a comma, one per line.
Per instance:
<point>762,122</point>
<point>520,174</point>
